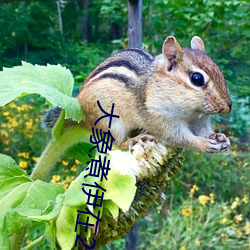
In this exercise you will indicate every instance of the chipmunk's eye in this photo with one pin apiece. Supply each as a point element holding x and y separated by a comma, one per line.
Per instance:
<point>197,79</point>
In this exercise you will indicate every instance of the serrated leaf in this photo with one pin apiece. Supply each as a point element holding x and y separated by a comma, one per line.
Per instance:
<point>53,82</point>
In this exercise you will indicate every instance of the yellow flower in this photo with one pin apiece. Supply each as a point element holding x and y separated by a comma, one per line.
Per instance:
<point>183,248</point>
<point>77,162</point>
<point>4,134</point>
<point>238,218</point>
<point>224,164</point>
<point>234,152</point>
<point>187,211</point>
<point>24,154</point>
<point>6,141</point>
<point>235,203</point>
<point>55,178</point>
<point>247,227</point>
<point>12,105</point>
<point>35,159</point>
<point>29,124</point>
<point>223,220</point>
<point>211,195</point>
<point>65,185</point>
<point>193,190</point>
<point>203,199</point>
<point>23,164</point>
<point>245,199</point>
<point>6,113</point>
<point>197,242</point>
<point>65,163</point>
<point>6,149</point>
<point>14,123</point>
<point>73,168</point>
<point>70,178</point>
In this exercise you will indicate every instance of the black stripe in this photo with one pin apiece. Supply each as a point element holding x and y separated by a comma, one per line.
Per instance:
<point>142,53</point>
<point>118,77</point>
<point>118,63</point>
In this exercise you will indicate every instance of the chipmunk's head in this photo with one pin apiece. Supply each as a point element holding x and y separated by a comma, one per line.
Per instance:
<point>197,74</point>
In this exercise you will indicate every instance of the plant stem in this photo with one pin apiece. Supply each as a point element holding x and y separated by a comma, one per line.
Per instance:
<point>56,148</point>
<point>52,153</point>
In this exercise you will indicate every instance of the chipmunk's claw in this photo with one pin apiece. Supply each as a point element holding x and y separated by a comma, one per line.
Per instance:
<point>218,142</point>
<point>141,139</point>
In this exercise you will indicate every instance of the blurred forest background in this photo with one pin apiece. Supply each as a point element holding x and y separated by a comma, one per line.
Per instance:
<point>208,204</point>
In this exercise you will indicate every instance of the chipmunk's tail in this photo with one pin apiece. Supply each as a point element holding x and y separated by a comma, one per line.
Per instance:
<point>50,118</point>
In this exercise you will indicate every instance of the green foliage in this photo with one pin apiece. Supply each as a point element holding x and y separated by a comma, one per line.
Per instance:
<point>30,32</point>
<point>52,82</point>
<point>19,198</point>
<point>198,224</point>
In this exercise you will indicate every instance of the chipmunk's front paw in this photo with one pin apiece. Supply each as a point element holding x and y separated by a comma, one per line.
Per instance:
<point>141,139</point>
<point>218,142</point>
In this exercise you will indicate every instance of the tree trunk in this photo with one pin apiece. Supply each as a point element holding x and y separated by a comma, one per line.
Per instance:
<point>85,23</point>
<point>135,23</point>
<point>59,16</point>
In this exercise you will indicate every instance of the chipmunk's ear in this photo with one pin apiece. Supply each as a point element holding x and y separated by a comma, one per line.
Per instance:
<point>171,49</point>
<point>197,43</point>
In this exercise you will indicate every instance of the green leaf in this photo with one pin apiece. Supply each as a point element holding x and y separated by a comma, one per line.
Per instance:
<point>80,151</point>
<point>22,199</point>
<point>50,234</point>
<point>120,189</point>
<point>65,227</point>
<point>74,195</point>
<point>6,186</point>
<point>45,216</point>
<point>53,82</point>
<point>14,198</point>
<point>9,168</point>
<point>39,194</point>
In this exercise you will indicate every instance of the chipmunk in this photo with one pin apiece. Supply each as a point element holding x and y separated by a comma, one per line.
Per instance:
<point>169,97</point>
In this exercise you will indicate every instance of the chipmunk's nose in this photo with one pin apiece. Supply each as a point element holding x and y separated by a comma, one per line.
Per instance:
<point>227,108</point>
